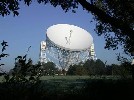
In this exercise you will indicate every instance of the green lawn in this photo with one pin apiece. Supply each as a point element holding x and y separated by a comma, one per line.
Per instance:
<point>62,87</point>
<point>64,77</point>
<point>73,77</point>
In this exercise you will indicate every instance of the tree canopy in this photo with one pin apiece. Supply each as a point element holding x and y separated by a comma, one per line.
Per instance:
<point>90,67</point>
<point>112,16</point>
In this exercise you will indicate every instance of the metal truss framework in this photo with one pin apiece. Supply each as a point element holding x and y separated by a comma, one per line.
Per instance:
<point>61,57</point>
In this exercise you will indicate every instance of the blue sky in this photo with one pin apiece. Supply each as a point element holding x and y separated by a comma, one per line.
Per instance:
<point>29,28</point>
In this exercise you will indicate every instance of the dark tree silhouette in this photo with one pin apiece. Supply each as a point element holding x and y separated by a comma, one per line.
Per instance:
<point>49,68</point>
<point>112,16</point>
<point>77,70</point>
<point>90,67</point>
<point>2,55</point>
<point>100,67</point>
<point>95,67</point>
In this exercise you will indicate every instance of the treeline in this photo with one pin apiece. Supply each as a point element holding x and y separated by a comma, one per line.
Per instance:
<point>90,67</point>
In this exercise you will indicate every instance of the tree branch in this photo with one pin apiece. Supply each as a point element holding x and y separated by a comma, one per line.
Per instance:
<point>118,24</point>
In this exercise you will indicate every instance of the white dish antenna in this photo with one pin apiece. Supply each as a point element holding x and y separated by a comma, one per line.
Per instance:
<point>69,37</point>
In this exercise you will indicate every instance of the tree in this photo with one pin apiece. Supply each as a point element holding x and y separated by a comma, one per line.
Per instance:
<point>24,68</point>
<point>121,70</point>
<point>49,68</point>
<point>71,70</point>
<point>126,68</point>
<point>77,70</point>
<point>108,70</point>
<point>90,66</point>
<point>81,70</point>
<point>111,16</point>
<point>2,55</point>
<point>114,16</point>
<point>95,67</point>
<point>100,67</point>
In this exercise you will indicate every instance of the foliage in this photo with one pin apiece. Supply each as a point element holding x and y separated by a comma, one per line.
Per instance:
<point>49,68</point>
<point>118,18</point>
<point>21,70</point>
<point>124,70</point>
<point>71,70</point>
<point>18,85</point>
<point>90,67</point>
<point>127,67</point>
<point>12,6</point>
<point>25,71</point>
<point>2,55</point>
<point>115,21</point>
<point>77,70</point>
<point>63,88</point>
<point>95,67</point>
<point>100,67</point>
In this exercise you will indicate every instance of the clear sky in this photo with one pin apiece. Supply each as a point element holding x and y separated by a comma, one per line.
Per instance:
<point>29,28</point>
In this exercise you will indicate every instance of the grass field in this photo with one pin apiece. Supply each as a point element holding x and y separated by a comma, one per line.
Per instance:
<point>62,87</point>
<point>73,77</point>
<point>64,77</point>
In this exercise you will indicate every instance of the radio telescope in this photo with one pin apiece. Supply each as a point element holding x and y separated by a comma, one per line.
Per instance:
<point>66,45</point>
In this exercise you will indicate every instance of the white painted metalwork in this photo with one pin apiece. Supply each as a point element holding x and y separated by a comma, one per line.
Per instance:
<point>92,52</point>
<point>43,52</point>
<point>67,45</point>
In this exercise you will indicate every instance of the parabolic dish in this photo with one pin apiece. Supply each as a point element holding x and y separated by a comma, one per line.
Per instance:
<point>69,37</point>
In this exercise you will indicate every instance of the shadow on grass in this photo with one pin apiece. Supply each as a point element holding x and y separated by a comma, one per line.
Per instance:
<point>93,89</point>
